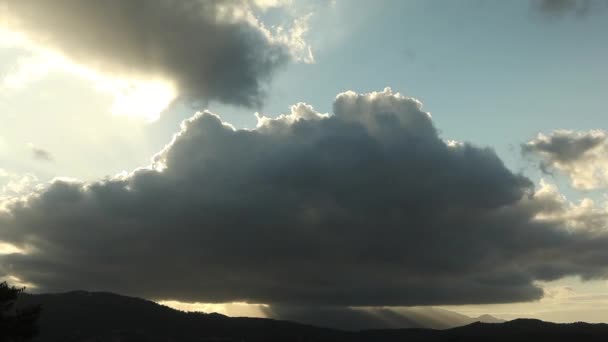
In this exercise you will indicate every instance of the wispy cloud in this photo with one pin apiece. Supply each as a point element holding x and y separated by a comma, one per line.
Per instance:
<point>581,156</point>
<point>39,153</point>
<point>569,7</point>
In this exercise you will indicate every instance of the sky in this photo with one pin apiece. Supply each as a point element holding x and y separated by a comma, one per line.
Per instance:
<point>268,156</point>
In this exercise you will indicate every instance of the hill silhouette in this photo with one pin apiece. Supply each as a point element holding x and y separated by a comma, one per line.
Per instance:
<point>103,317</point>
<point>377,318</point>
<point>85,316</point>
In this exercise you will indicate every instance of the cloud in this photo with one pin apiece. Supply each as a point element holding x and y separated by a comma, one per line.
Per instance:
<point>582,156</point>
<point>586,215</point>
<point>563,7</point>
<point>367,206</point>
<point>14,184</point>
<point>266,4</point>
<point>40,153</point>
<point>209,50</point>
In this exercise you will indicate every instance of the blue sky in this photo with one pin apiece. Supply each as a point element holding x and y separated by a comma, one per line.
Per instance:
<point>494,73</point>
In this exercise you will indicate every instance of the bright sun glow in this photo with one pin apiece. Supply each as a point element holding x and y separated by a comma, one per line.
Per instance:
<point>7,248</point>
<point>236,309</point>
<point>138,98</point>
<point>17,282</point>
<point>141,99</point>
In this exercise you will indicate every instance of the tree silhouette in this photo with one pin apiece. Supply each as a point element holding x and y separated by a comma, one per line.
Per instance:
<point>16,324</point>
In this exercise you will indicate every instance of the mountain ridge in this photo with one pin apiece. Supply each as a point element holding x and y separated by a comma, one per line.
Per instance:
<point>80,316</point>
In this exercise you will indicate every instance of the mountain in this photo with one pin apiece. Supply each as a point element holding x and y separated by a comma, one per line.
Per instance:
<point>520,330</point>
<point>378,318</point>
<point>105,317</point>
<point>99,317</point>
<point>488,319</point>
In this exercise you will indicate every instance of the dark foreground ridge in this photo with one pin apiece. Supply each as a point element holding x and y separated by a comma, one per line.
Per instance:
<point>104,317</point>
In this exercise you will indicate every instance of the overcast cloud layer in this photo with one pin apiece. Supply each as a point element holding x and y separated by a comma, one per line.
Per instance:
<point>210,50</point>
<point>581,156</point>
<point>365,207</point>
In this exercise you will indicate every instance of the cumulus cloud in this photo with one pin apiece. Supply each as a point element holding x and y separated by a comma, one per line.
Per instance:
<point>367,206</point>
<point>209,50</point>
<point>39,153</point>
<point>586,215</point>
<point>266,4</point>
<point>14,184</point>
<point>582,156</point>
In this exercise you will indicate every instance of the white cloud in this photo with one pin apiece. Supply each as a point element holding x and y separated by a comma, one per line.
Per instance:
<point>586,214</point>
<point>581,156</point>
<point>14,186</point>
<point>266,4</point>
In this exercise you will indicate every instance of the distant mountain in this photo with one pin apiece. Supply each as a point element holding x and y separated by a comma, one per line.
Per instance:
<point>379,318</point>
<point>105,317</point>
<point>488,319</point>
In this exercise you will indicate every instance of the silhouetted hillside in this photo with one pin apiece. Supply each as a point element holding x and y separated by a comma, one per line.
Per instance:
<point>520,330</point>
<point>377,318</point>
<point>104,317</point>
<point>84,316</point>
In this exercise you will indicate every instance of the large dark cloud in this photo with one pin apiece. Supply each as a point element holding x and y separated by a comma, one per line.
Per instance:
<point>365,207</point>
<point>207,50</point>
<point>582,156</point>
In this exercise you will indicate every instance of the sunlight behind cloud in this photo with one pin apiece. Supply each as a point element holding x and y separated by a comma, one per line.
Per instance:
<point>138,98</point>
<point>236,309</point>
<point>9,248</point>
<point>17,282</point>
<point>10,38</point>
